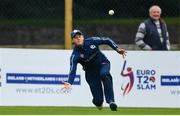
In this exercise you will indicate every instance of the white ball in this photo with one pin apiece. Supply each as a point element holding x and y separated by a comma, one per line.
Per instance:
<point>111,12</point>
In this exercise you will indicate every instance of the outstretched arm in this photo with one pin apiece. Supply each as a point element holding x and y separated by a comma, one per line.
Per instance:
<point>108,41</point>
<point>73,67</point>
<point>72,73</point>
<point>105,41</point>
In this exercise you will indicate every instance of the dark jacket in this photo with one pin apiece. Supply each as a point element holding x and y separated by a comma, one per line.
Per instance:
<point>152,37</point>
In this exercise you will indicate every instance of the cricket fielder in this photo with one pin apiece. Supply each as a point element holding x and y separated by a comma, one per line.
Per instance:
<point>96,67</point>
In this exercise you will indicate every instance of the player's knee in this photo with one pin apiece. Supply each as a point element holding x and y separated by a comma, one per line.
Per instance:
<point>106,78</point>
<point>104,74</point>
<point>97,102</point>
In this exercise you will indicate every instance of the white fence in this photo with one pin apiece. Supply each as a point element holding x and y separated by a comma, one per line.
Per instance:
<point>31,77</point>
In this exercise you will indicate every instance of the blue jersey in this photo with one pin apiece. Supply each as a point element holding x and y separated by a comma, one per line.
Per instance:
<point>89,55</point>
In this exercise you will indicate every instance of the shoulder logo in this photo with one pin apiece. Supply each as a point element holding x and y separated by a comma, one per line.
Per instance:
<point>92,46</point>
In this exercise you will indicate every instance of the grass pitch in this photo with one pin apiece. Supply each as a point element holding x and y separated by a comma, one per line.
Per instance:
<point>86,111</point>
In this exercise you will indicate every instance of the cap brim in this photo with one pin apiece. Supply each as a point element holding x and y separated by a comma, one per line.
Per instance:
<point>76,34</point>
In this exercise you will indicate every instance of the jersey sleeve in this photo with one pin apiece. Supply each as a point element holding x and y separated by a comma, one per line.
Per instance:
<point>167,41</point>
<point>73,67</point>
<point>105,41</point>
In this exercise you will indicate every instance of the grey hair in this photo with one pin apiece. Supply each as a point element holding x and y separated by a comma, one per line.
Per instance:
<point>151,8</point>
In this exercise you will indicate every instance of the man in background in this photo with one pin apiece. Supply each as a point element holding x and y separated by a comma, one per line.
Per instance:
<point>152,34</point>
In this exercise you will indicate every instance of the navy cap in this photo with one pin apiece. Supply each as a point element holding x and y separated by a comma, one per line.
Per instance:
<point>74,32</point>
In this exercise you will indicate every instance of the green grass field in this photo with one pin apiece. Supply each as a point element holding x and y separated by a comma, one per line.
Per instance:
<point>86,111</point>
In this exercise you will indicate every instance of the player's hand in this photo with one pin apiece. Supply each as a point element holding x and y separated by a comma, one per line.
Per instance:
<point>121,51</point>
<point>67,85</point>
<point>66,88</point>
